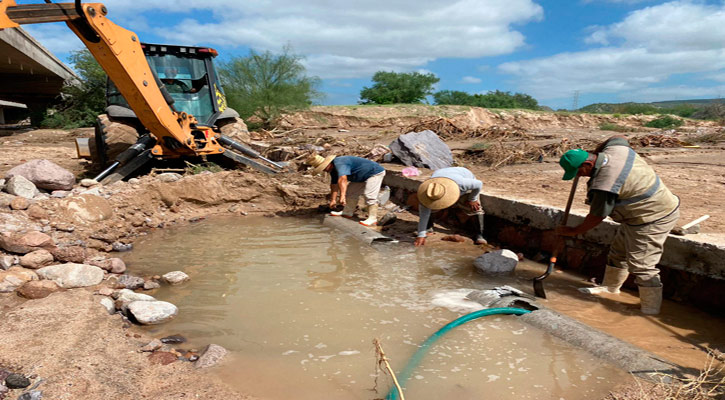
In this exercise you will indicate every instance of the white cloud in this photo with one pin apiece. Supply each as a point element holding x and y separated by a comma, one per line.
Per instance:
<point>352,39</point>
<point>470,79</point>
<point>652,45</point>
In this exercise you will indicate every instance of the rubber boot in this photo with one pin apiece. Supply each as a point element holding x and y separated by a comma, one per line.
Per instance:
<point>650,299</point>
<point>478,230</point>
<point>346,212</point>
<point>613,280</point>
<point>372,219</point>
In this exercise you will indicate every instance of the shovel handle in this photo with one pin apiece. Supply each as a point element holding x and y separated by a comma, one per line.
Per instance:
<point>555,252</point>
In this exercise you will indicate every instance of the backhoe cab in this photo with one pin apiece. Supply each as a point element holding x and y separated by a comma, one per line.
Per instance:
<point>165,122</point>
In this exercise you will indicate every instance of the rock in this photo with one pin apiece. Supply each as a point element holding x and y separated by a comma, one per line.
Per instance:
<point>150,285</point>
<point>210,356</point>
<point>4,374</point>
<point>128,296</point>
<point>88,182</point>
<point>71,254</point>
<point>10,283</point>
<point>112,265</point>
<point>20,186</point>
<point>2,184</point>
<point>108,304</point>
<point>134,181</point>
<point>151,346</point>
<point>31,395</point>
<point>21,273</point>
<point>169,177</point>
<point>19,203</point>
<point>44,174</point>
<point>173,339</point>
<point>36,259</point>
<point>162,357</point>
<point>105,291</point>
<point>121,247</point>
<point>152,312</point>
<point>37,212</point>
<point>454,238</point>
<point>3,389</point>
<point>38,289</point>
<point>86,208</point>
<point>131,282</point>
<point>60,194</point>
<point>72,275</point>
<point>25,243</point>
<point>63,227</point>
<point>175,277</point>
<point>6,199</point>
<point>422,149</point>
<point>17,381</point>
<point>499,261</point>
<point>8,261</point>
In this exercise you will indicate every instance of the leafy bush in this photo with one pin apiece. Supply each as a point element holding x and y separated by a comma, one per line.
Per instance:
<point>398,87</point>
<point>494,99</point>
<point>266,84</point>
<point>608,126</point>
<point>664,121</point>
<point>82,101</point>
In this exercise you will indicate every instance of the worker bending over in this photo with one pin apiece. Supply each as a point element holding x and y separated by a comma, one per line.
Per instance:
<point>447,187</point>
<point>624,187</point>
<point>350,177</point>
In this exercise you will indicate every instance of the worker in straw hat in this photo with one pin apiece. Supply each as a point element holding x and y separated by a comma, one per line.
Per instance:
<point>624,187</point>
<point>447,187</point>
<point>350,177</point>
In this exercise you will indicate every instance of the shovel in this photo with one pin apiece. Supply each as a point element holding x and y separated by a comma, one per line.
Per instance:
<point>539,280</point>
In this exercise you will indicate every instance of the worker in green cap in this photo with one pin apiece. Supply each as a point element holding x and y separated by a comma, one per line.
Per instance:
<point>622,186</point>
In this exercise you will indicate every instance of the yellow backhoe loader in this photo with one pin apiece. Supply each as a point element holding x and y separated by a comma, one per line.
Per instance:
<point>163,131</point>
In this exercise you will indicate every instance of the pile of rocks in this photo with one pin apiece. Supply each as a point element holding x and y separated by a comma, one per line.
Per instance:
<point>15,381</point>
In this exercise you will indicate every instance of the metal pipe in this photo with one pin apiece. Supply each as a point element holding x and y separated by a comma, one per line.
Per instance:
<point>227,141</point>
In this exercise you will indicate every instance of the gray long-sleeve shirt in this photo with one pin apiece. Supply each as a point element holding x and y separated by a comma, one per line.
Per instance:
<point>467,183</point>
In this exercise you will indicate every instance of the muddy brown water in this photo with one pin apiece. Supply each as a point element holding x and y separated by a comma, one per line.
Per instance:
<point>299,305</point>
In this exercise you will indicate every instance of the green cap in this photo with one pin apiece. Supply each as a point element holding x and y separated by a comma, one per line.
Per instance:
<point>571,161</point>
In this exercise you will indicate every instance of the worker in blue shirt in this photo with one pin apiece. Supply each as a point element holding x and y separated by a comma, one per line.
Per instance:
<point>351,177</point>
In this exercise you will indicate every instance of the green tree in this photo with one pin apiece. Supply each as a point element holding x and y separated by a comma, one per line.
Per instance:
<point>452,97</point>
<point>398,87</point>
<point>82,100</point>
<point>267,84</point>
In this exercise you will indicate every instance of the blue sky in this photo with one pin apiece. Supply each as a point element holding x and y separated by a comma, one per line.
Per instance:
<point>606,50</point>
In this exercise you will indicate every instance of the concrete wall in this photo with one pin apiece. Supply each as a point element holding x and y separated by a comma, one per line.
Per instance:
<point>693,272</point>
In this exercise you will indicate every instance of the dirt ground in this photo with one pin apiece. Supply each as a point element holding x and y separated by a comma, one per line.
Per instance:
<point>99,354</point>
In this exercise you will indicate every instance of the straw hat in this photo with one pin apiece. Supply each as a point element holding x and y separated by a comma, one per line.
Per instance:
<point>318,163</point>
<point>438,193</point>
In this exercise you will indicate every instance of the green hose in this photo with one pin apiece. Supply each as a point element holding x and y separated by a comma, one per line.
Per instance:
<point>418,356</point>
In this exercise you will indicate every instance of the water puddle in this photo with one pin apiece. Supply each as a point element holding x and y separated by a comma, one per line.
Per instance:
<point>299,305</point>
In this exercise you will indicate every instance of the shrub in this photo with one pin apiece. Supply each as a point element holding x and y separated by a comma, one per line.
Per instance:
<point>664,121</point>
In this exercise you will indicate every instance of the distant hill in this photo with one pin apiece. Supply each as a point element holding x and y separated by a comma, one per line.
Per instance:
<point>625,108</point>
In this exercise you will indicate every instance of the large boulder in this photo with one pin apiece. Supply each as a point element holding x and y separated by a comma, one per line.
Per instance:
<point>152,312</point>
<point>24,243</point>
<point>20,186</point>
<point>87,208</point>
<point>72,275</point>
<point>497,262</point>
<point>44,174</point>
<point>422,149</point>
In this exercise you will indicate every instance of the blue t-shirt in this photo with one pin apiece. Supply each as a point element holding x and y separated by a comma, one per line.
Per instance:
<point>357,169</point>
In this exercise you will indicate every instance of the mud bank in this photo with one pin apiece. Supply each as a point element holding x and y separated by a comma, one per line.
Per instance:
<point>69,344</point>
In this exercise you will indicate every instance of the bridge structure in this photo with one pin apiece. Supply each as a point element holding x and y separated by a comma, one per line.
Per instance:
<point>30,75</point>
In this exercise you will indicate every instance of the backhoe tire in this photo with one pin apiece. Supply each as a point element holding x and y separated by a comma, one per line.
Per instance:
<point>234,128</point>
<point>112,137</point>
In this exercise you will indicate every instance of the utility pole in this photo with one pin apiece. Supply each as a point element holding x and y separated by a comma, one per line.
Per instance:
<point>575,105</point>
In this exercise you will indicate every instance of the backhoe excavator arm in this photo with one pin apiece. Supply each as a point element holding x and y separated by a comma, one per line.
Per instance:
<point>119,53</point>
